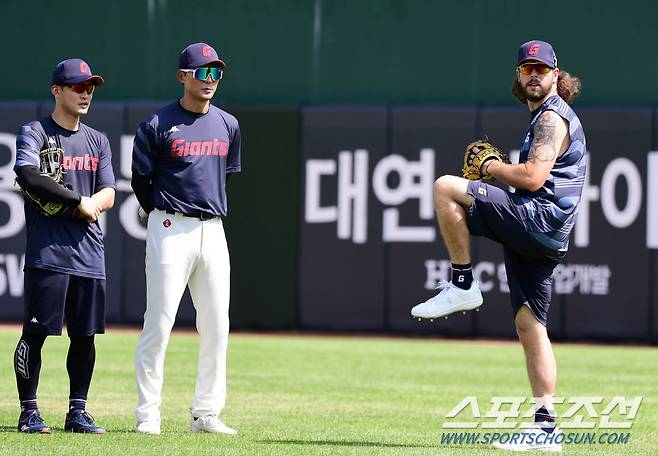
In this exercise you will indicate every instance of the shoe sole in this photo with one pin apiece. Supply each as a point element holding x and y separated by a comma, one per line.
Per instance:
<point>42,431</point>
<point>212,432</point>
<point>463,308</point>
<point>86,432</point>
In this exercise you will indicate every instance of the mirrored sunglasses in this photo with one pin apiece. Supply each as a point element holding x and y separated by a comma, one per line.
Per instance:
<point>540,68</point>
<point>202,73</point>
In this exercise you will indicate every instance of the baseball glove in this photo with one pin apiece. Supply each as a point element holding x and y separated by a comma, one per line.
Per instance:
<point>477,153</point>
<point>51,166</point>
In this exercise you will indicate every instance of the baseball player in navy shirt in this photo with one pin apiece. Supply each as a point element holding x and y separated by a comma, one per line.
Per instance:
<point>182,156</point>
<point>64,258</point>
<point>532,224</point>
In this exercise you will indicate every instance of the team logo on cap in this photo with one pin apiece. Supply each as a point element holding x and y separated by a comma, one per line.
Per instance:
<point>534,49</point>
<point>206,51</point>
<point>84,68</point>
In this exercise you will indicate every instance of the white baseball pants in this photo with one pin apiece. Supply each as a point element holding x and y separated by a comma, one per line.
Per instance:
<point>184,251</point>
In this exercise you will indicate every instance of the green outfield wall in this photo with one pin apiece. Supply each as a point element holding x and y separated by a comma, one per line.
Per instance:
<point>334,51</point>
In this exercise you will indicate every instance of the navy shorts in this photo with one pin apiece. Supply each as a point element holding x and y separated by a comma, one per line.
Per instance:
<point>529,264</point>
<point>50,296</point>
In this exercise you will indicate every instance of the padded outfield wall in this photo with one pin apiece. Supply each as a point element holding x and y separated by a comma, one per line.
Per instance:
<point>261,229</point>
<point>331,225</point>
<point>370,248</point>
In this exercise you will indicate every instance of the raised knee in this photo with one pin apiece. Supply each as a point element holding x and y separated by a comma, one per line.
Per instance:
<point>443,188</point>
<point>442,183</point>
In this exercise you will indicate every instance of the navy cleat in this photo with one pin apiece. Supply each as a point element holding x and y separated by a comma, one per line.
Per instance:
<point>81,421</point>
<point>31,422</point>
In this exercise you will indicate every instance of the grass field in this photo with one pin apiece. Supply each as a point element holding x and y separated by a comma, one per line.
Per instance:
<point>320,395</point>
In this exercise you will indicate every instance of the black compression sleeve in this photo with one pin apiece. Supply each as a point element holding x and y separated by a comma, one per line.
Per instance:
<point>31,180</point>
<point>142,187</point>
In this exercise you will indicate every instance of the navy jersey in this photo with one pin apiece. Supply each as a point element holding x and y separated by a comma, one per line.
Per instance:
<point>550,212</point>
<point>187,156</point>
<point>64,244</point>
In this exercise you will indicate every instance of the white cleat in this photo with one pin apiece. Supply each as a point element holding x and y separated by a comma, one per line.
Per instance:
<point>210,423</point>
<point>148,427</point>
<point>451,299</point>
<point>534,439</point>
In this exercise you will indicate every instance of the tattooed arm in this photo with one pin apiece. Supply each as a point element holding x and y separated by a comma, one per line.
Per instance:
<point>551,139</point>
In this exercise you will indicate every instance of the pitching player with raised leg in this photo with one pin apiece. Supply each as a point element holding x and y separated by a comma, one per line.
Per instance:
<point>64,169</point>
<point>182,156</point>
<point>532,224</point>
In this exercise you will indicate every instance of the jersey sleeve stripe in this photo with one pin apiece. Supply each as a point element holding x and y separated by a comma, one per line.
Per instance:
<point>27,142</point>
<point>141,161</point>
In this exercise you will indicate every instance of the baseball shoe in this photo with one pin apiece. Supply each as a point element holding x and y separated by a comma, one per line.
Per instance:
<point>81,421</point>
<point>210,423</point>
<point>148,427</point>
<point>31,422</point>
<point>449,300</point>
<point>533,439</point>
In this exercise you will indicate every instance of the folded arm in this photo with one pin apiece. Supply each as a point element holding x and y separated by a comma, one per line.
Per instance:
<point>31,180</point>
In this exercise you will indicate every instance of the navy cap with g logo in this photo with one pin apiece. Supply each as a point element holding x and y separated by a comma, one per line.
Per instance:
<point>198,55</point>
<point>539,51</point>
<point>75,71</point>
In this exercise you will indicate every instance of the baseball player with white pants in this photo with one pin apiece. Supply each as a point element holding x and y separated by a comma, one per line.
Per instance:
<point>181,158</point>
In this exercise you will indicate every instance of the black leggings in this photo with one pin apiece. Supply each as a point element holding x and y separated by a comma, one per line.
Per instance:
<point>79,365</point>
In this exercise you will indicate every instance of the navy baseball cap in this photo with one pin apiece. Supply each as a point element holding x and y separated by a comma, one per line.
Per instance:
<point>539,51</point>
<point>198,55</point>
<point>75,71</point>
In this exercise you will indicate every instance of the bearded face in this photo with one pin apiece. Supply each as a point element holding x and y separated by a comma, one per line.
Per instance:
<point>535,91</point>
<point>538,84</point>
